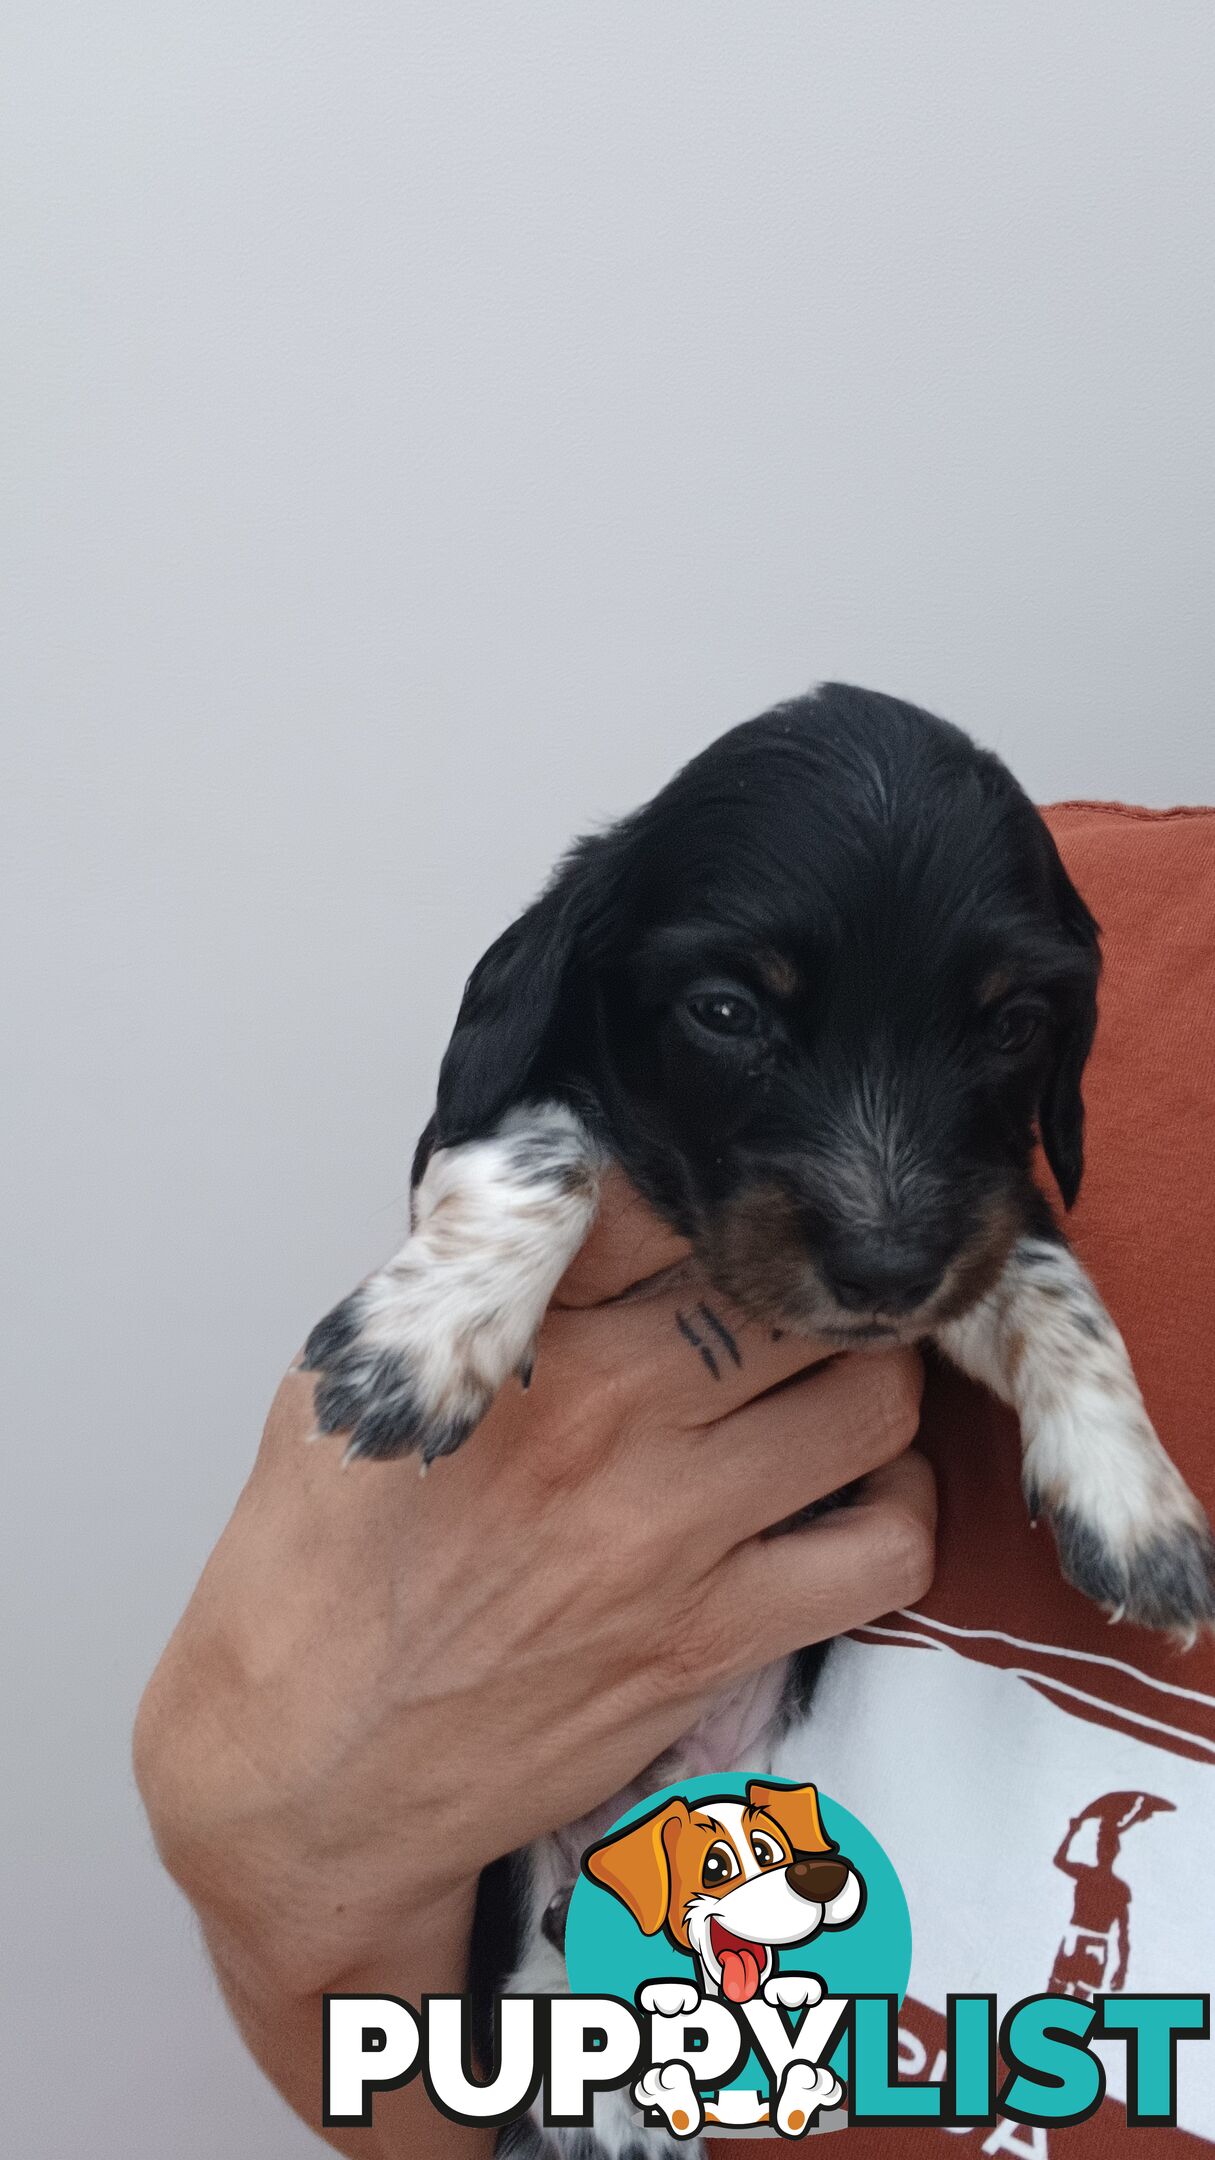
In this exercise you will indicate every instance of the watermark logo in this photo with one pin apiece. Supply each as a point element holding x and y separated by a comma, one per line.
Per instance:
<point>737,1951</point>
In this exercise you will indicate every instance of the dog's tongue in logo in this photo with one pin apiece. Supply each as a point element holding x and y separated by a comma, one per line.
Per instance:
<point>742,1963</point>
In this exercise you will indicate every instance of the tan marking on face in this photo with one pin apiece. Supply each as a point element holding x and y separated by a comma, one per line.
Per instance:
<point>979,1264</point>
<point>778,974</point>
<point>994,986</point>
<point>756,1254</point>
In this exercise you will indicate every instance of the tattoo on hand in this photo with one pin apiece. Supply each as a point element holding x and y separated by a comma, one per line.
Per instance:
<point>705,1350</point>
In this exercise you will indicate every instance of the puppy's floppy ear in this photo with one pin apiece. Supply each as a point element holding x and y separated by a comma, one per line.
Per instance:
<point>512,1004</point>
<point>796,1809</point>
<point>635,1865</point>
<point>506,1016</point>
<point>1061,1108</point>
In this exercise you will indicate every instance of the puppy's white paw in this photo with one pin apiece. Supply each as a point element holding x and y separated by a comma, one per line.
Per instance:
<point>793,1991</point>
<point>414,1358</point>
<point>390,1377</point>
<point>669,1998</point>
<point>668,2088</point>
<point>1129,1531</point>
<point>804,2092</point>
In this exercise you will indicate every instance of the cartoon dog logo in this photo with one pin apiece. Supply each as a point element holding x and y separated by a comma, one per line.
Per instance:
<point>731,1882</point>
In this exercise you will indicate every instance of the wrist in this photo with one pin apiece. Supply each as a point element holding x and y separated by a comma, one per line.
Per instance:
<point>282,1957</point>
<point>283,2027</point>
<point>293,1892</point>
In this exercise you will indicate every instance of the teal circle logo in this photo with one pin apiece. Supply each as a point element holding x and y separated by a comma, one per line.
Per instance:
<point>726,1882</point>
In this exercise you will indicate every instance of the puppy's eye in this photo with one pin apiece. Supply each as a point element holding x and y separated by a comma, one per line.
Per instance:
<point>722,1009</point>
<point>765,1851</point>
<point>719,1866</point>
<point>1014,1026</point>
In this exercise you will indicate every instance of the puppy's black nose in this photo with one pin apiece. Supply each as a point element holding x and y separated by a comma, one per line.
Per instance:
<point>870,1275</point>
<point>817,1879</point>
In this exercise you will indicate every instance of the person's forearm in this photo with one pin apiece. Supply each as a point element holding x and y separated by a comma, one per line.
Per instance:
<point>382,1683</point>
<point>247,1879</point>
<point>283,2032</point>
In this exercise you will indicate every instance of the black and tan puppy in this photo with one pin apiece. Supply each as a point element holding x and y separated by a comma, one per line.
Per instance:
<point>818,998</point>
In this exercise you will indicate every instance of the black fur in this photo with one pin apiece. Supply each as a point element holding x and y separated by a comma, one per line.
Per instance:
<point>898,877</point>
<point>494,1947</point>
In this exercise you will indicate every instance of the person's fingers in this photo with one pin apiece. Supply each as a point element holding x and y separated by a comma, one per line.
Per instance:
<point>841,1421</point>
<point>675,1354</point>
<point>847,1567</point>
<point>627,1244</point>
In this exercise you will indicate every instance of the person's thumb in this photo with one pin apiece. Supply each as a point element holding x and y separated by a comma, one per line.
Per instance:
<point>626,1245</point>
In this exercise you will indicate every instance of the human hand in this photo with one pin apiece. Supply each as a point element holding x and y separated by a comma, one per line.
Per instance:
<point>382,1682</point>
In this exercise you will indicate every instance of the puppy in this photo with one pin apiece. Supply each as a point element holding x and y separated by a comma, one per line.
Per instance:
<point>818,997</point>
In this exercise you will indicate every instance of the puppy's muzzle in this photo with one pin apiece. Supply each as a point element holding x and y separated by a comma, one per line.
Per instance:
<point>817,1880</point>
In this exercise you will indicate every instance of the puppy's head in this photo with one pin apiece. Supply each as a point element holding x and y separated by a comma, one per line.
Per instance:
<point>729,1881</point>
<point>821,992</point>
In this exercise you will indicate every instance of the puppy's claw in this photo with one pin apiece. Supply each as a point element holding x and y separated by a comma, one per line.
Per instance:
<point>525,1369</point>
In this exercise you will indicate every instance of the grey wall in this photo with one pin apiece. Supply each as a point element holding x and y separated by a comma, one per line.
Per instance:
<point>430,422</point>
